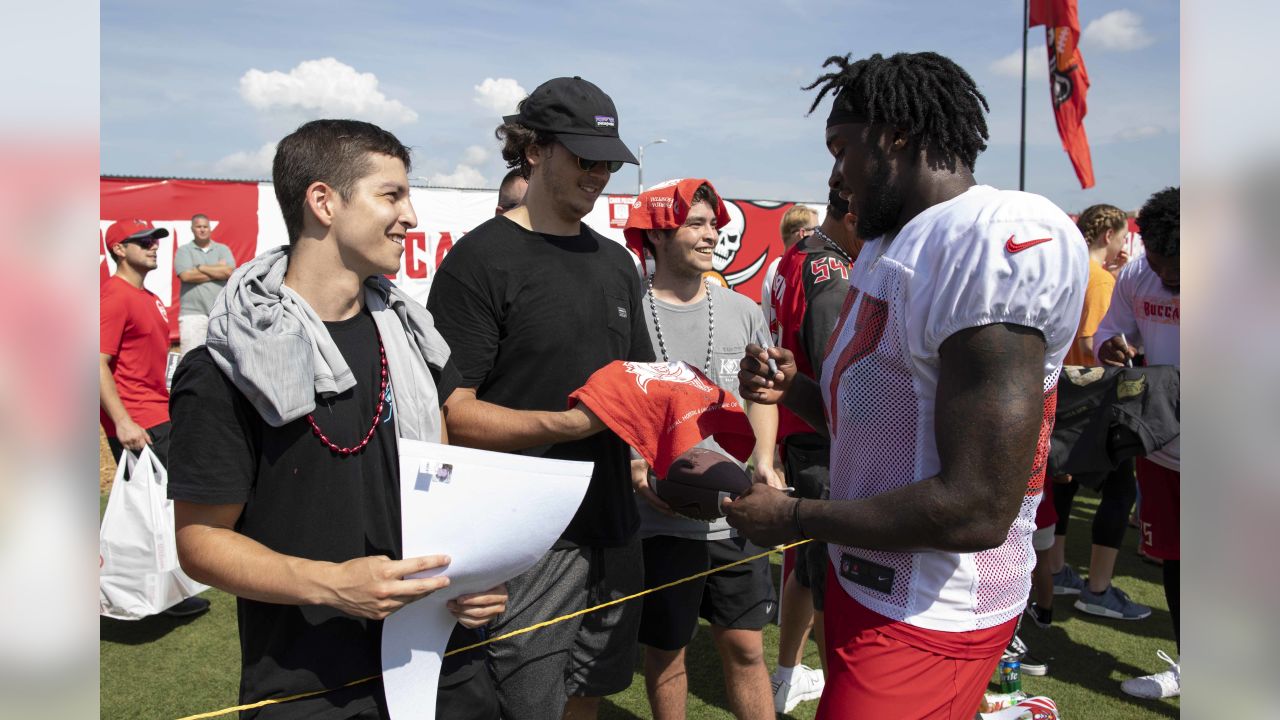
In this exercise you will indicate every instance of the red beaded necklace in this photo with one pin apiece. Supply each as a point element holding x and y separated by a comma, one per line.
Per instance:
<point>377,413</point>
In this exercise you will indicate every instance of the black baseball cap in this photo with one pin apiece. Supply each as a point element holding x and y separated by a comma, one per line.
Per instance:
<point>579,114</point>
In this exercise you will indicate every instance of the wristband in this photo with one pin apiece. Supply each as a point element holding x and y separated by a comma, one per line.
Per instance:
<point>795,519</point>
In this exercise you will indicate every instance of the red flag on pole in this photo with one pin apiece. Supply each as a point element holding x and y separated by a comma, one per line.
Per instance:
<point>1068,79</point>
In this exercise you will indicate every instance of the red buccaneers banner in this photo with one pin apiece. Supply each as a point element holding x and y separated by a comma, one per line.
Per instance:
<point>246,217</point>
<point>232,208</point>
<point>1068,79</point>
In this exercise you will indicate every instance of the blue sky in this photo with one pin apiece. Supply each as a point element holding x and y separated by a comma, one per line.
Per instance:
<point>204,90</point>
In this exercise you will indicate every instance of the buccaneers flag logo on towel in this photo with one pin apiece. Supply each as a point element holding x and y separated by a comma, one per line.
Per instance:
<point>1068,79</point>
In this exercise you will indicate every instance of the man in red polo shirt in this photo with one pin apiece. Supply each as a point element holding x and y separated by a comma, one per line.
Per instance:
<point>133,350</point>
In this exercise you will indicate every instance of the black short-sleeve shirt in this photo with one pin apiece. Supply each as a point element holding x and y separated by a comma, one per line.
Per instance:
<point>528,317</point>
<point>303,500</point>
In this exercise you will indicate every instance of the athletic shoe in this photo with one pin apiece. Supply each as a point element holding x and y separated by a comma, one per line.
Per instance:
<point>1031,665</point>
<point>187,608</point>
<point>1042,617</point>
<point>1111,603</point>
<point>806,684</point>
<point>1067,582</point>
<point>1165,684</point>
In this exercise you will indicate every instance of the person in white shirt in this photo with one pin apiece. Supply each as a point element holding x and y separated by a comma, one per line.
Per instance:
<point>1146,313</point>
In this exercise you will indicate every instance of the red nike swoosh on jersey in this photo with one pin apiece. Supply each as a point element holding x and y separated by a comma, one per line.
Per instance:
<point>1014,247</point>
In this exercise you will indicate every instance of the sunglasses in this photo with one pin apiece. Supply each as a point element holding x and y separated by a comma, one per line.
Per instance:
<point>145,243</point>
<point>588,165</point>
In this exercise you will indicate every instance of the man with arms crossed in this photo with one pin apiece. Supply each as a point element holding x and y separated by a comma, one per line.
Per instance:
<point>939,392</point>
<point>532,303</point>
<point>708,327</point>
<point>285,424</point>
<point>203,266</point>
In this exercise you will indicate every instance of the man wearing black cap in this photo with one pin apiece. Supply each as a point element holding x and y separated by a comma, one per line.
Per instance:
<point>133,352</point>
<point>531,304</point>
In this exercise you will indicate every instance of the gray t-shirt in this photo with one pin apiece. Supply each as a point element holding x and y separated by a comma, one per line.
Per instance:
<point>738,321</point>
<point>197,298</point>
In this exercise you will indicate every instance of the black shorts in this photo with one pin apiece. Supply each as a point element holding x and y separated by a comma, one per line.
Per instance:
<point>740,598</point>
<point>804,460</point>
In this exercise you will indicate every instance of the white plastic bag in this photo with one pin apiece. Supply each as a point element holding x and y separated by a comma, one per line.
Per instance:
<point>138,572</point>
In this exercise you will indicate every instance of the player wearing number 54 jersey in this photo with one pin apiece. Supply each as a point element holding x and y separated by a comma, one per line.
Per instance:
<point>938,392</point>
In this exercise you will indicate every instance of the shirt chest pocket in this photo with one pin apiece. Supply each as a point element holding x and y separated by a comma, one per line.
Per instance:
<point>725,361</point>
<point>617,318</point>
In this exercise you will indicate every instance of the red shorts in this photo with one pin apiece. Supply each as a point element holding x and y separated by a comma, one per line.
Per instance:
<point>1046,513</point>
<point>877,668</point>
<point>1160,510</point>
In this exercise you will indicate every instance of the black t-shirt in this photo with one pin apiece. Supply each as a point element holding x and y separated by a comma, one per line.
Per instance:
<point>529,317</point>
<point>301,499</point>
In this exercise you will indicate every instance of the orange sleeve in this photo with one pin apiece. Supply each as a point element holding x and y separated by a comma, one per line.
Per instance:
<point>1097,298</point>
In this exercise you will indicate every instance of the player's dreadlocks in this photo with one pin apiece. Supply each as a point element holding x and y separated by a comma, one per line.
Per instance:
<point>930,97</point>
<point>1158,222</point>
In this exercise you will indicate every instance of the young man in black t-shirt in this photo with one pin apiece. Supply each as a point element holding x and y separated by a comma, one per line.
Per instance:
<point>283,452</point>
<point>532,303</point>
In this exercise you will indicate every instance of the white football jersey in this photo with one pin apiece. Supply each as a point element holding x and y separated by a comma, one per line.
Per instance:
<point>987,256</point>
<point>1150,315</point>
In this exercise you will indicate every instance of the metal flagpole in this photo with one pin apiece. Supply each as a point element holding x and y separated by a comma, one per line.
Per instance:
<point>1022,145</point>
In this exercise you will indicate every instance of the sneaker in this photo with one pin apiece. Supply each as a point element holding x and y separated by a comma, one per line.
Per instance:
<point>1031,665</point>
<point>187,608</point>
<point>1067,582</point>
<point>806,684</point>
<point>1042,617</point>
<point>1165,684</point>
<point>1111,603</point>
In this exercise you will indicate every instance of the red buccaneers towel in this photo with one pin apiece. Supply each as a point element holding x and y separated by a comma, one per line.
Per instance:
<point>663,409</point>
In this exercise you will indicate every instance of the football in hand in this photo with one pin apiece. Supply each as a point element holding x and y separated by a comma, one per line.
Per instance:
<point>698,480</point>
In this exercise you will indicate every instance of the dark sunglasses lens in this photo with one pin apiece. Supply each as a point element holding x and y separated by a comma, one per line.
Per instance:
<point>145,243</point>
<point>589,165</point>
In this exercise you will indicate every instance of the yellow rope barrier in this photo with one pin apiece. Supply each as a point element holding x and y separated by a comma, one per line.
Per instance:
<point>504,636</point>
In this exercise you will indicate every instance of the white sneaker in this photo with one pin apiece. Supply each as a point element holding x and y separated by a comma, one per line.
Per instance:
<point>1165,684</point>
<point>806,684</point>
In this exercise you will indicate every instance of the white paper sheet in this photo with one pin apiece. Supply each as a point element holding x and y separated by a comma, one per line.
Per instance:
<point>494,515</point>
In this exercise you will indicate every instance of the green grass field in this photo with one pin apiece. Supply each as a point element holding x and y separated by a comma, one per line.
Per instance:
<point>168,668</point>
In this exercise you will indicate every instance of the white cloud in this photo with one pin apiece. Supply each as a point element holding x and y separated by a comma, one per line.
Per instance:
<point>1011,65</point>
<point>247,164</point>
<point>475,155</point>
<point>1118,30</point>
<point>501,95</point>
<point>463,176</point>
<point>1140,132</point>
<point>323,88</point>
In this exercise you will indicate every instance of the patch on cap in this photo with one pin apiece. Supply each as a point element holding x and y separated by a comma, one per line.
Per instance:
<point>605,121</point>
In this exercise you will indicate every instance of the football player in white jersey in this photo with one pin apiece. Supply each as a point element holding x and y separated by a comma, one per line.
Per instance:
<point>938,392</point>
